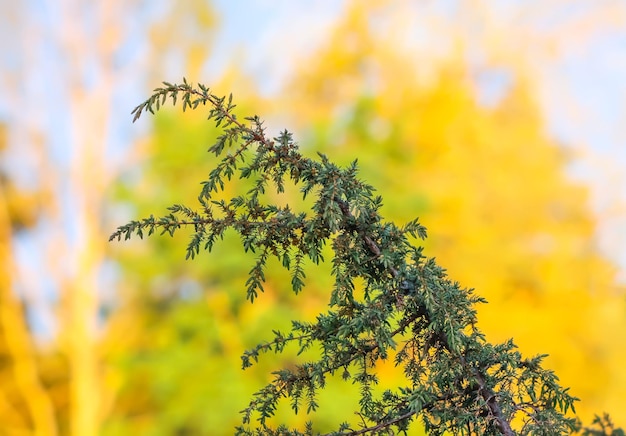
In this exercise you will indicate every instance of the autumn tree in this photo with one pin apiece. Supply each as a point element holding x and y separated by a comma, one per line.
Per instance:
<point>388,300</point>
<point>61,147</point>
<point>24,397</point>
<point>488,179</point>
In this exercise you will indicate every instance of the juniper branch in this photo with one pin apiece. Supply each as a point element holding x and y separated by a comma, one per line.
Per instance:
<point>457,381</point>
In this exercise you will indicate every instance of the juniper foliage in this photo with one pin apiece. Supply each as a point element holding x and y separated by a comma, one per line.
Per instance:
<point>408,309</point>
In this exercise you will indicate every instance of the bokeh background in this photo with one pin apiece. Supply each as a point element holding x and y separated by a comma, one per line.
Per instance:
<point>499,124</point>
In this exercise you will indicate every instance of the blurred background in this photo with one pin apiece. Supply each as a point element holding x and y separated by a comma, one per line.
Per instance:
<point>499,124</point>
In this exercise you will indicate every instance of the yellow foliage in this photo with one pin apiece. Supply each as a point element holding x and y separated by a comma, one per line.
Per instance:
<point>489,184</point>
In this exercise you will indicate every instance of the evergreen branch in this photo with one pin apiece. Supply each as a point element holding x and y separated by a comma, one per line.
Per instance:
<point>459,382</point>
<point>487,394</point>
